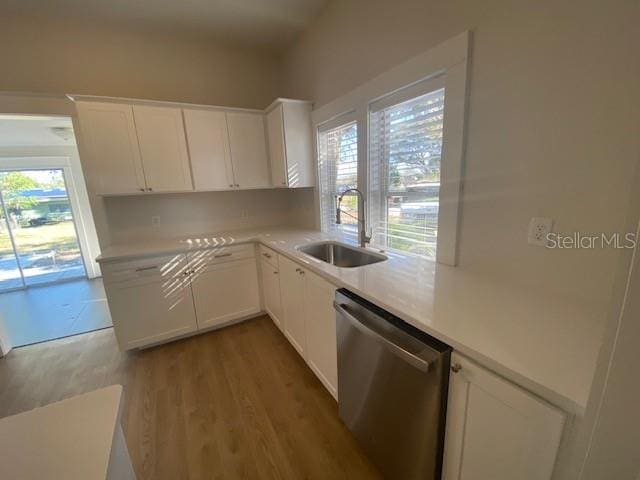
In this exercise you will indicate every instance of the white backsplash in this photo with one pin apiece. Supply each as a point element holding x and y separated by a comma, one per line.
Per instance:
<point>130,218</point>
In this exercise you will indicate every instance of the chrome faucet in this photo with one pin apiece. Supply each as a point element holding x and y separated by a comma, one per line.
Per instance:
<point>362,233</point>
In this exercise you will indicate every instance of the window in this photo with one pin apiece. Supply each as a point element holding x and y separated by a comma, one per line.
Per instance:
<point>405,152</point>
<point>413,162</point>
<point>338,172</point>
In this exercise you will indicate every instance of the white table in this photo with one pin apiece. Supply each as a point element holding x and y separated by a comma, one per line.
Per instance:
<point>77,438</point>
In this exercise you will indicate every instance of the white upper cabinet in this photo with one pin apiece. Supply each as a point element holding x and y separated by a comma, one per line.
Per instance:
<point>109,134</point>
<point>277,159</point>
<point>290,144</point>
<point>163,148</point>
<point>496,430</point>
<point>248,150</point>
<point>208,140</point>
<point>166,148</point>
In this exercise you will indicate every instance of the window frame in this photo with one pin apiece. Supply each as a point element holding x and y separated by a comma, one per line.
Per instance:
<point>335,123</point>
<point>412,92</point>
<point>449,60</point>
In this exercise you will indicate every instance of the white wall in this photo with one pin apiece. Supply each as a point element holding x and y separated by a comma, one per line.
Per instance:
<point>552,131</point>
<point>56,56</point>
<point>73,56</point>
<point>552,128</point>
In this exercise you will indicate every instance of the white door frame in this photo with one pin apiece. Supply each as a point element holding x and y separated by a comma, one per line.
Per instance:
<point>5,342</point>
<point>83,227</point>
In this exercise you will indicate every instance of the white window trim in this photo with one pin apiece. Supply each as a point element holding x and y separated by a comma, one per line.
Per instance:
<point>450,59</point>
<point>340,121</point>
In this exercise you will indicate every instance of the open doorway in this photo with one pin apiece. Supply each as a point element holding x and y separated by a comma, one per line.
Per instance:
<point>38,233</point>
<point>50,285</point>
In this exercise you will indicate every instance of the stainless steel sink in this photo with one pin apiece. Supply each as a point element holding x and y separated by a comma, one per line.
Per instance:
<point>341,255</point>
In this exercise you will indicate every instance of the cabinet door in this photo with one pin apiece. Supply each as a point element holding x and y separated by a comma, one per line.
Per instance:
<point>277,157</point>
<point>150,300</point>
<point>225,292</point>
<point>109,135</point>
<point>163,148</point>
<point>209,151</point>
<point>292,292</point>
<point>271,292</point>
<point>248,150</point>
<point>320,328</point>
<point>298,144</point>
<point>497,430</point>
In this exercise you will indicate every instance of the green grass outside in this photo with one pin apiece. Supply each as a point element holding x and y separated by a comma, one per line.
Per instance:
<point>60,237</point>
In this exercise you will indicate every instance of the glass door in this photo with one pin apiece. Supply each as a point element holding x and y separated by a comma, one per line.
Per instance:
<point>40,229</point>
<point>10,274</point>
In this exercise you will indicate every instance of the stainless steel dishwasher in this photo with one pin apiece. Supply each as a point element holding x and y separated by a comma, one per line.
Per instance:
<point>392,388</point>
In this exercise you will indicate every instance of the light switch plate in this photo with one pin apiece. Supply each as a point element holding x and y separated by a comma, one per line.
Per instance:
<point>539,228</point>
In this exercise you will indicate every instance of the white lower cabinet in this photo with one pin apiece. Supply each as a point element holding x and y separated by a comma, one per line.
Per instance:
<point>320,322</point>
<point>226,291</point>
<point>309,320</point>
<point>293,307</point>
<point>496,430</point>
<point>271,292</point>
<point>150,300</point>
<point>156,299</point>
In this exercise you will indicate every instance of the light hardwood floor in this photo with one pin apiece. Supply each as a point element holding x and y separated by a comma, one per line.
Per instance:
<point>234,403</point>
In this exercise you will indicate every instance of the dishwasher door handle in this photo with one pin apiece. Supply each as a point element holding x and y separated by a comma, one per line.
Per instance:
<point>419,363</point>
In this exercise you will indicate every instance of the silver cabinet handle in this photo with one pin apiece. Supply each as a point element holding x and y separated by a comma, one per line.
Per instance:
<point>301,272</point>
<point>142,189</point>
<point>150,189</point>
<point>417,362</point>
<point>144,269</point>
<point>268,255</point>
<point>222,255</point>
<point>237,184</point>
<point>456,367</point>
<point>231,185</point>
<point>275,273</point>
<point>298,270</point>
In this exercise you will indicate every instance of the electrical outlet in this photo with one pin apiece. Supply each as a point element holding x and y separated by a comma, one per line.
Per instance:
<point>539,228</point>
<point>155,220</point>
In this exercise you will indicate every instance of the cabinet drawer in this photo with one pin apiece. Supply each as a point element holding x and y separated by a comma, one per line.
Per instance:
<point>142,271</point>
<point>269,256</point>
<point>213,256</point>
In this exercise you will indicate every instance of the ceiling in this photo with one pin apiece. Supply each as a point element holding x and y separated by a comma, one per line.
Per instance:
<point>30,131</point>
<point>268,23</point>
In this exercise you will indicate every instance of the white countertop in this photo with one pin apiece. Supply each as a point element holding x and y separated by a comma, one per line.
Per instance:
<point>547,344</point>
<point>69,440</point>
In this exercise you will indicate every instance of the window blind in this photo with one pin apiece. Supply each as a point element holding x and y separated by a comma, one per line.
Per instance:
<point>338,172</point>
<point>405,149</point>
